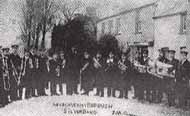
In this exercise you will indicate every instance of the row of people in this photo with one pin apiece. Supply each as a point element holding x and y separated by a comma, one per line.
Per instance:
<point>36,69</point>
<point>31,73</point>
<point>167,75</point>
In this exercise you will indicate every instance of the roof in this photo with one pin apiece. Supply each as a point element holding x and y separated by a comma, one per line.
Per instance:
<point>177,7</point>
<point>127,11</point>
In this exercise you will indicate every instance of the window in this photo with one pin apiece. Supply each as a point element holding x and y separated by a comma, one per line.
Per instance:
<point>183,23</point>
<point>118,25</point>
<point>139,27</point>
<point>110,26</point>
<point>103,28</point>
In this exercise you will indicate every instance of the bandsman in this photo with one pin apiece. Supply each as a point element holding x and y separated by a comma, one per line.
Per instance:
<point>182,79</point>
<point>62,63</point>
<point>110,68</point>
<point>34,55</point>
<point>54,72</point>
<point>99,66</point>
<point>170,82</point>
<point>87,73</point>
<point>124,66</point>
<point>15,61</point>
<point>26,78</point>
<point>42,73</point>
<point>4,86</point>
<point>72,72</point>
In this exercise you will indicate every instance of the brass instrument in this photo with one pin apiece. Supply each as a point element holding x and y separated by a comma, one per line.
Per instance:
<point>84,67</point>
<point>6,76</point>
<point>15,73</point>
<point>37,62</point>
<point>110,62</point>
<point>122,66</point>
<point>96,63</point>
<point>140,68</point>
<point>31,63</point>
<point>63,64</point>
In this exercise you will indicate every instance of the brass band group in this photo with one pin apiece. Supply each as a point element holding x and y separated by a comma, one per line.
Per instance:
<point>29,75</point>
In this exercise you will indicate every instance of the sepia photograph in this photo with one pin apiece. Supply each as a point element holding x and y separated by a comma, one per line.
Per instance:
<point>94,57</point>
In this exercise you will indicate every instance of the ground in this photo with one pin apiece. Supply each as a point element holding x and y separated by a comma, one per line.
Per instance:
<point>66,106</point>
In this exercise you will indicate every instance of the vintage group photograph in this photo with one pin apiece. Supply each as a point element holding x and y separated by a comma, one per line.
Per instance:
<point>94,57</point>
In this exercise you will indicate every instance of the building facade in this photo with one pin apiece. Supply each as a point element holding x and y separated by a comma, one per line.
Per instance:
<point>163,23</point>
<point>133,27</point>
<point>171,26</point>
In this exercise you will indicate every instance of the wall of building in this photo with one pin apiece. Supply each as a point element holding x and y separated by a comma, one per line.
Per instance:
<point>167,34</point>
<point>128,21</point>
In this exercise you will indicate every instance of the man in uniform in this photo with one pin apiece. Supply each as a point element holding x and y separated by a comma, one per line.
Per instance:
<point>182,79</point>
<point>43,73</point>
<point>3,91</point>
<point>99,66</point>
<point>159,84</point>
<point>145,79</point>
<point>62,63</point>
<point>26,71</point>
<point>15,61</point>
<point>170,82</point>
<point>86,71</point>
<point>73,72</point>
<point>54,71</point>
<point>124,66</point>
<point>110,68</point>
<point>34,73</point>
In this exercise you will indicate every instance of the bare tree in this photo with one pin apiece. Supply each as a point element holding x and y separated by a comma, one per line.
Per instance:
<point>49,9</point>
<point>27,20</point>
<point>68,8</point>
<point>37,20</point>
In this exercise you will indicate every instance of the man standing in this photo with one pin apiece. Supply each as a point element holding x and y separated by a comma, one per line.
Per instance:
<point>26,71</point>
<point>87,73</point>
<point>73,72</point>
<point>3,91</point>
<point>182,79</point>
<point>110,68</point>
<point>54,71</point>
<point>170,82</point>
<point>43,73</point>
<point>62,63</point>
<point>15,61</point>
<point>99,66</point>
<point>124,66</point>
<point>34,73</point>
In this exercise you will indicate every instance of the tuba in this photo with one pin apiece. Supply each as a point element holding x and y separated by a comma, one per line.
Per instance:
<point>6,76</point>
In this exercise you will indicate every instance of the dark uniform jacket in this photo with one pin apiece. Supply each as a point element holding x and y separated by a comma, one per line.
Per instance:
<point>111,69</point>
<point>15,61</point>
<point>53,65</point>
<point>73,69</point>
<point>183,72</point>
<point>62,63</point>
<point>43,71</point>
<point>99,72</point>
<point>26,70</point>
<point>87,74</point>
